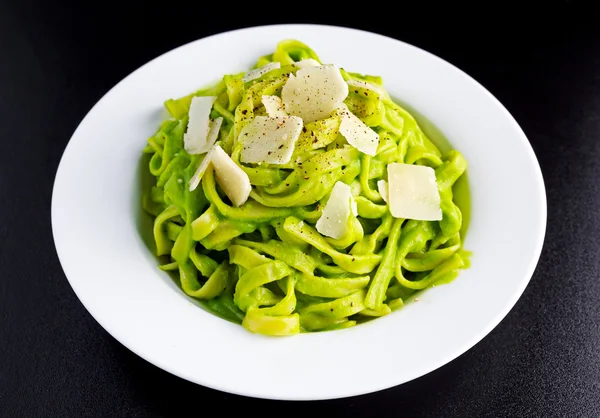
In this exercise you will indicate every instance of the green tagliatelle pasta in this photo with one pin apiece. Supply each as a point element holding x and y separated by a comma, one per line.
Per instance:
<point>264,264</point>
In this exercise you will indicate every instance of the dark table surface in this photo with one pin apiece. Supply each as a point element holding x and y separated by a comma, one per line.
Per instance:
<point>543,360</point>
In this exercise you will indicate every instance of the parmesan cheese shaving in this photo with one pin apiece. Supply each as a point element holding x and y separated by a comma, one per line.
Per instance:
<point>194,139</point>
<point>232,179</point>
<point>270,140</point>
<point>340,206</point>
<point>314,92</point>
<point>214,127</point>
<point>273,106</point>
<point>308,62</point>
<point>259,72</point>
<point>413,192</point>
<point>382,186</point>
<point>359,135</point>
<point>365,85</point>
<point>195,180</point>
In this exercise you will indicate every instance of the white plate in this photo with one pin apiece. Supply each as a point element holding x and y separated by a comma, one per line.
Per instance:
<point>96,217</point>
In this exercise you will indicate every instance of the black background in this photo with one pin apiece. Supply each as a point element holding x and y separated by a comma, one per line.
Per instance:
<point>58,58</point>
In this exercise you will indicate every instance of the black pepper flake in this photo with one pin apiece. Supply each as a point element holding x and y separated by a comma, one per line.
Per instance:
<point>351,304</point>
<point>366,94</point>
<point>306,178</point>
<point>353,258</point>
<point>304,129</point>
<point>331,309</point>
<point>315,141</point>
<point>281,146</point>
<point>270,152</point>
<point>356,91</point>
<point>244,112</point>
<point>287,184</point>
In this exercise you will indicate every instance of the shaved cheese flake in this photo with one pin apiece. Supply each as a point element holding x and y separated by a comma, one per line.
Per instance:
<point>359,135</point>
<point>259,72</point>
<point>382,186</point>
<point>308,62</point>
<point>365,85</point>
<point>413,192</point>
<point>213,134</point>
<point>273,106</point>
<point>232,179</point>
<point>195,180</point>
<point>270,140</point>
<point>194,139</point>
<point>314,92</point>
<point>213,131</point>
<point>334,218</point>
